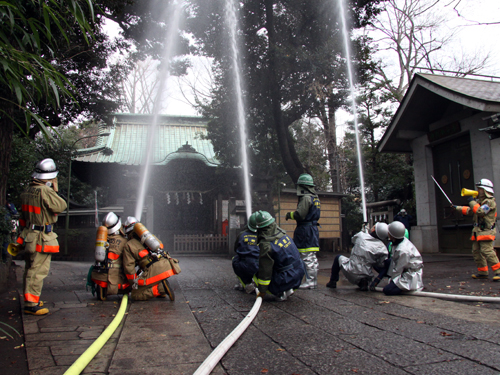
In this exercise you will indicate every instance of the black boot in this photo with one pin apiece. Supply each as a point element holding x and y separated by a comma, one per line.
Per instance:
<point>363,285</point>
<point>331,284</point>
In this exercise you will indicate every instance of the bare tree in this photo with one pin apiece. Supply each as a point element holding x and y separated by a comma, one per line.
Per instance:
<point>412,31</point>
<point>139,88</point>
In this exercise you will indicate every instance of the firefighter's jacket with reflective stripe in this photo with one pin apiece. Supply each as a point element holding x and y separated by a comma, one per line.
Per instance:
<point>484,215</point>
<point>246,261</point>
<point>40,205</point>
<point>306,235</point>
<point>367,252</point>
<point>406,266</point>
<point>151,270</point>
<point>114,280</point>
<point>280,265</point>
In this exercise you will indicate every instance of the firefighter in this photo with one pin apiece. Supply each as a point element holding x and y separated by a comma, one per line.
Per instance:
<point>280,268</point>
<point>40,205</point>
<point>306,235</point>
<point>483,208</point>
<point>145,251</point>
<point>369,251</point>
<point>405,270</point>
<point>108,272</point>
<point>246,261</point>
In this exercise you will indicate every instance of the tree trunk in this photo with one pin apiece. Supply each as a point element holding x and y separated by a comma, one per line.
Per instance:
<point>6,130</point>
<point>289,156</point>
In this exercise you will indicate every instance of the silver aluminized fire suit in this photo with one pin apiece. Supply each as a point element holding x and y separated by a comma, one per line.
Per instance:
<point>367,252</point>
<point>406,266</point>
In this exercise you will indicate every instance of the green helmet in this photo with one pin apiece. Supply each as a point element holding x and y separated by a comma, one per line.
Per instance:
<point>252,222</point>
<point>262,219</point>
<point>305,179</point>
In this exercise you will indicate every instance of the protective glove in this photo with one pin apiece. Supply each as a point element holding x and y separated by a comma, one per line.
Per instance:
<point>288,215</point>
<point>374,284</point>
<point>470,199</point>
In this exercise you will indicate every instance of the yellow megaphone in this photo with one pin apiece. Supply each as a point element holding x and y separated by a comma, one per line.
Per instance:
<point>469,193</point>
<point>13,249</point>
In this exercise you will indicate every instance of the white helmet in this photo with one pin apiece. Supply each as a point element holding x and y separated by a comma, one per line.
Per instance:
<point>129,224</point>
<point>396,229</point>
<point>112,222</point>
<point>381,230</point>
<point>486,185</point>
<point>45,170</point>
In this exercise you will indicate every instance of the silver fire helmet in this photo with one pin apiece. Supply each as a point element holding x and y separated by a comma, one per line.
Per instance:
<point>129,224</point>
<point>112,222</point>
<point>397,230</point>
<point>381,230</point>
<point>45,170</point>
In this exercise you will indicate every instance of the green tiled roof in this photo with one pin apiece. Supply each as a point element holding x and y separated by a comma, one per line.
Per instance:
<point>176,137</point>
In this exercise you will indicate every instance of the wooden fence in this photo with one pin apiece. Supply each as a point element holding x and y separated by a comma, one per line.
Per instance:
<point>200,243</point>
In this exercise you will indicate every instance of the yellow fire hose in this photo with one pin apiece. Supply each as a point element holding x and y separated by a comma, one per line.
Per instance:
<point>90,353</point>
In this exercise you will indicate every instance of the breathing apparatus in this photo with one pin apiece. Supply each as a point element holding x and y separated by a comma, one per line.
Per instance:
<point>101,243</point>
<point>149,240</point>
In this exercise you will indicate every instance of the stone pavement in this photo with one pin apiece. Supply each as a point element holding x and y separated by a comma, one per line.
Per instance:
<point>322,331</point>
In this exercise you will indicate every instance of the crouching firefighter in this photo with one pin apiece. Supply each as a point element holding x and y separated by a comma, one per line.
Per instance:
<point>280,268</point>
<point>306,235</point>
<point>107,273</point>
<point>246,261</point>
<point>144,250</point>
<point>40,205</point>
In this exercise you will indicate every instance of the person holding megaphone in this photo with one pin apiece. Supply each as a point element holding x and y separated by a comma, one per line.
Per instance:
<point>483,208</point>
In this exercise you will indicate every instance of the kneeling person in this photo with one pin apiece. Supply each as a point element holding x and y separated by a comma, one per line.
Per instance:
<point>154,267</point>
<point>406,266</point>
<point>280,266</point>
<point>246,261</point>
<point>369,251</point>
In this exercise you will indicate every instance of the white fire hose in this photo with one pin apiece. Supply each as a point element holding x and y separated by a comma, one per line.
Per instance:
<point>452,297</point>
<point>208,365</point>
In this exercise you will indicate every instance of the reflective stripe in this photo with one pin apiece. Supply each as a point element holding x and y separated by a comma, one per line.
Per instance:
<point>464,210</point>
<point>47,249</point>
<point>113,256</point>
<point>102,284</point>
<point>20,240</point>
<point>156,278</point>
<point>475,208</point>
<point>482,269</point>
<point>291,215</point>
<point>486,238</point>
<point>143,253</point>
<point>28,297</point>
<point>263,282</point>
<point>306,250</point>
<point>29,208</point>
<point>130,277</point>
<point>156,292</point>
<point>496,266</point>
<point>123,286</point>
<point>22,222</point>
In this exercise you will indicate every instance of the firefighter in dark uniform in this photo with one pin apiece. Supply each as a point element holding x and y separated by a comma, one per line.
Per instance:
<point>483,208</point>
<point>112,280</point>
<point>154,267</point>
<point>246,261</point>
<point>306,235</point>
<point>280,268</point>
<point>40,205</point>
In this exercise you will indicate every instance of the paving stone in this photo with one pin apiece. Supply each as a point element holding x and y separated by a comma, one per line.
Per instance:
<point>30,327</point>
<point>39,357</point>
<point>51,336</point>
<point>461,366</point>
<point>55,370</point>
<point>58,329</point>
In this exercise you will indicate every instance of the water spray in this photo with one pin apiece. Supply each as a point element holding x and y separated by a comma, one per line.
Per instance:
<point>353,106</point>
<point>232,24</point>
<point>173,12</point>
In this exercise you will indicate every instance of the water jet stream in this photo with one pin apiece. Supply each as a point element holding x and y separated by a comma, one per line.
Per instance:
<point>173,12</point>
<point>232,23</point>
<point>353,105</point>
